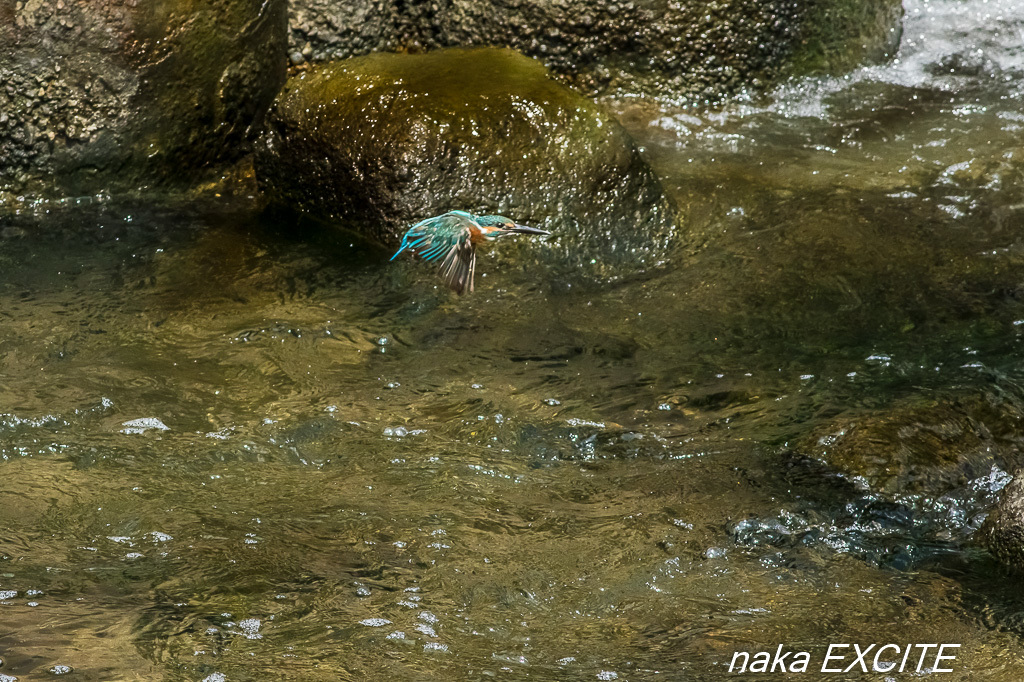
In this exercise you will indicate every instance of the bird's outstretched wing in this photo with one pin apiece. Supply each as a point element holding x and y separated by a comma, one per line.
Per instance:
<point>446,239</point>
<point>459,266</point>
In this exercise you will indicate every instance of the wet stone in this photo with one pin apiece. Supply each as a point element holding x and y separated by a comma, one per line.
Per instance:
<point>1003,532</point>
<point>680,50</point>
<point>380,142</point>
<point>142,89</point>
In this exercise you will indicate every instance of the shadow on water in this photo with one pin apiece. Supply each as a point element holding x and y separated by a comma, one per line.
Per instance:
<point>239,446</point>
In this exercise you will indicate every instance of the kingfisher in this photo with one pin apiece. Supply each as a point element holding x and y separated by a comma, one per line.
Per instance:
<point>451,239</point>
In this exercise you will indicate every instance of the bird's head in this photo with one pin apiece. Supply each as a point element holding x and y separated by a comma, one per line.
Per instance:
<point>492,226</point>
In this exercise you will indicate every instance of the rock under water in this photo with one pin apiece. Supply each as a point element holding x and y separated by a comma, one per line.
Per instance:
<point>1003,532</point>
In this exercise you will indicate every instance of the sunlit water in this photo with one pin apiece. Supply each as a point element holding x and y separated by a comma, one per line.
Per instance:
<point>240,447</point>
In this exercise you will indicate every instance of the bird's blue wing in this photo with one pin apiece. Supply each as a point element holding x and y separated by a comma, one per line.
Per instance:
<point>431,239</point>
<point>446,239</point>
<point>416,236</point>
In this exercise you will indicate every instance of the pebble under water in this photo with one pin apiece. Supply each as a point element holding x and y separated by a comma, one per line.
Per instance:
<point>233,447</point>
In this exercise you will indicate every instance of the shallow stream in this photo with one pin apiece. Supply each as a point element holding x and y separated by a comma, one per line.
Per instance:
<point>237,448</point>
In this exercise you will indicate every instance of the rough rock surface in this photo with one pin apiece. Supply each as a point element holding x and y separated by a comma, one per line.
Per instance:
<point>385,140</point>
<point>1003,532</point>
<point>326,29</point>
<point>98,96</point>
<point>683,49</point>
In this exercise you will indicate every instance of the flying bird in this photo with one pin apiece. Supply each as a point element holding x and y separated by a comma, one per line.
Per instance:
<point>451,240</point>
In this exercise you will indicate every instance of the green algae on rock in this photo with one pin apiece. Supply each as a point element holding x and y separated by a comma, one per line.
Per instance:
<point>111,96</point>
<point>688,50</point>
<point>385,140</point>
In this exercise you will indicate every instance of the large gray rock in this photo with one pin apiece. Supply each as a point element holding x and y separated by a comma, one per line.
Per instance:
<point>99,96</point>
<point>684,49</point>
<point>382,141</point>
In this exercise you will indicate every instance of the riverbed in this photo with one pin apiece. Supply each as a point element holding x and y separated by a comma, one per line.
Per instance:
<point>238,445</point>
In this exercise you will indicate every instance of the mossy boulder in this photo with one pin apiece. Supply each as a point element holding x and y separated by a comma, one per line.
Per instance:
<point>107,96</point>
<point>382,141</point>
<point>1003,532</point>
<point>683,49</point>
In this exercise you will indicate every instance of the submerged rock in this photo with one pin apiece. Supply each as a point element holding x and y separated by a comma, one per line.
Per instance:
<point>917,479</point>
<point>1003,532</point>
<point>385,140</point>
<point>115,95</point>
<point>683,49</point>
<point>928,447</point>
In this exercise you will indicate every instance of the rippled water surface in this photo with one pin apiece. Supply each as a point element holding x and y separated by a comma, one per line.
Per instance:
<point>239,447</point>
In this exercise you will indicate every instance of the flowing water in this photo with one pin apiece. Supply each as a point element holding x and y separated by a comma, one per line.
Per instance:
<point>237,448</point>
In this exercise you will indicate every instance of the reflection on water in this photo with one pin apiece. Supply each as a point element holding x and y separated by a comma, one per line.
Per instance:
<point>239,447</point>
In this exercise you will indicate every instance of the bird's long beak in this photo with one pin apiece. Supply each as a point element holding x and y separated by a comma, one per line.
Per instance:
<point>526,229</point>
